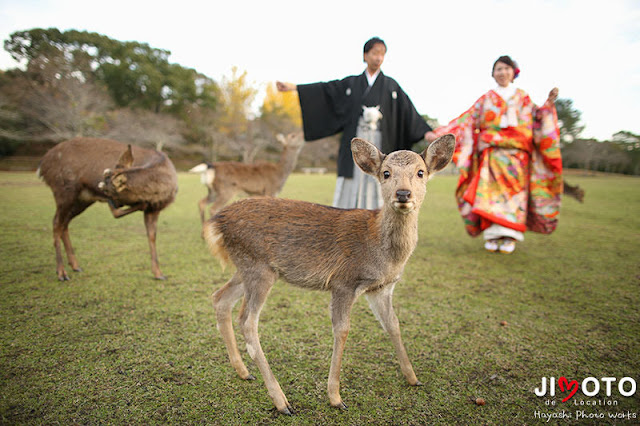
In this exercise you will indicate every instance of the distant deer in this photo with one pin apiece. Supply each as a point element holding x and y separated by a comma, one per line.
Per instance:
<point>346,252</point>
<point>82,171</point>
<point>573,191</point>
<point>224,179</point>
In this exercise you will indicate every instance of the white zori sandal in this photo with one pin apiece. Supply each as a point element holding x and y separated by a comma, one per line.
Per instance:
<point>507,246</point>
<point>491,245</point>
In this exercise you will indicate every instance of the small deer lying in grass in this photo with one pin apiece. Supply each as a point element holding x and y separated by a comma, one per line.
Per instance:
<point>346,252</point>
<point>224,179</point>
<point>82,171</point>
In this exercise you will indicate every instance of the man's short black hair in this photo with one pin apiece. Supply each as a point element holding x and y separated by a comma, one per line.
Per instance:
<point>372,42</point>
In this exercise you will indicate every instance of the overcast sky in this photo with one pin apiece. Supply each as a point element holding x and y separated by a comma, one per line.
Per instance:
<point>440,52</point>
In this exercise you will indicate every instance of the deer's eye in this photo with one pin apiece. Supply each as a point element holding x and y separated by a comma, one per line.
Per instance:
<point>386,175</point>
<point>420,174</point>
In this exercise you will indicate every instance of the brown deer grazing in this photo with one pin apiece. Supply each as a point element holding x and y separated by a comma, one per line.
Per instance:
<point>224,179</point>
<point>346,252</point>
<point>573,191</point>
<point>82,171</point>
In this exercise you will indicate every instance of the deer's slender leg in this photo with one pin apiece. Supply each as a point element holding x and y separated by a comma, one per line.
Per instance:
<point>341,302</point>
<point>381,305</point>
<point>202,205</point>
<point>221,198</point>
<point>150,222</point>
<point>71,256</point>
<point>65,211</point>
<point>258,284</point>
<point>223,301</point>
<point>74,211</point>
<point>118,212</point>
<point>60,222</point>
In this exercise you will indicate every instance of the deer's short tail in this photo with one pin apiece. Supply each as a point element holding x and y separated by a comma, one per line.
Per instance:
<point>200,168</point>
<point>215,242</point>
<point>207,173</point>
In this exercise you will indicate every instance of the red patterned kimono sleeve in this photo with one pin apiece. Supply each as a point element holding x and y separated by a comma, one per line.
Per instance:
<point>463,128</point>
<point>546,172</point>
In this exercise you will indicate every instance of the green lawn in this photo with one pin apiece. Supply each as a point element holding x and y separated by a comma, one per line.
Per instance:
<point>114,346</point>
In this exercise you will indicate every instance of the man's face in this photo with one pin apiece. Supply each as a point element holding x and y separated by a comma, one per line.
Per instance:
<point>375,56</point>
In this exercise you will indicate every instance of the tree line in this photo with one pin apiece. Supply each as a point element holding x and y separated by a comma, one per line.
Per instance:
<point>621,154</point>
<point>78,83</point>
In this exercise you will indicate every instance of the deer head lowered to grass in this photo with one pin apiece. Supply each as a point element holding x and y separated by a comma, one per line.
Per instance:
<point>573,191</point>
<point>345,252</point>
<point>82,171</point>
<point>224,179</point>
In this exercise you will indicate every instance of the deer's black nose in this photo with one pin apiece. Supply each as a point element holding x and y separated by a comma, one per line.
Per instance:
<point>403,195</point>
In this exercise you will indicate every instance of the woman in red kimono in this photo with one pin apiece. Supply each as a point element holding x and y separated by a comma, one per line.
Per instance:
<point>509,159</point>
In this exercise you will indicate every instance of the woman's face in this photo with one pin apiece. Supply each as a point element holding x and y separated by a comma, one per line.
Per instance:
<point>503,74</point>
<point>375,56</point>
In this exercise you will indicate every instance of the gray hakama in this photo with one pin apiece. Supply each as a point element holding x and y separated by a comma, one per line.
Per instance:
<point>363,190</point>
<point>332,107</point>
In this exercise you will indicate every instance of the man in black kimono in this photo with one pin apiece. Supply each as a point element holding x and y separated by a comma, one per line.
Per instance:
<point>336,106</point>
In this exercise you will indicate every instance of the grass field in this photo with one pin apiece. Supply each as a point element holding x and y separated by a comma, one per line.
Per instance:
<point>114,346</point>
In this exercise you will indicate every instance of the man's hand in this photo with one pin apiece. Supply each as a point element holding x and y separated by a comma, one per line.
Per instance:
<point>285,87</point>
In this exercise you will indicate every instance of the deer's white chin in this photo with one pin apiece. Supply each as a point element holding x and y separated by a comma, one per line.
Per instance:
<point>405,208</point>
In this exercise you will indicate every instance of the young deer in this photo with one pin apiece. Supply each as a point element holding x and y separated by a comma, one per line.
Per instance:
<point>346,252</point>
<point>79,173</point>
<point>224,179</point>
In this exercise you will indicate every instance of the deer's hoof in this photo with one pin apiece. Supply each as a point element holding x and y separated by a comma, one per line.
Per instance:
<point>78,269</point>
<point>160,278</point>
<point>64,277</point>
<point>341,406</point>
<point>250,377</point>
<point>417,383</point>
<point>287,411</point>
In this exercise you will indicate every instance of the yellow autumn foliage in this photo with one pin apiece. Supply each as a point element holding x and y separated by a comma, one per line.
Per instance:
<point>282,105</point>
<point>236,96</point>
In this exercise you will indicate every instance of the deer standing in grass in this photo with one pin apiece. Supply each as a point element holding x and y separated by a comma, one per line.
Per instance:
<point>224,179</point>
<point>345,252</point>
<point>82,171</point>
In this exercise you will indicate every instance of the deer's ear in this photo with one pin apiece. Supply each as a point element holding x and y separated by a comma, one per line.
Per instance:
<point>439,153</point>
<point>126,159</point>
<point>367,156</point>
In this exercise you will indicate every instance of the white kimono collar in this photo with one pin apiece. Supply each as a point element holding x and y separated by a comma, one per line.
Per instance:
<point>371,78</point>
<point>506,93</point>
